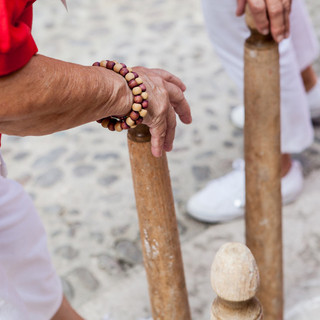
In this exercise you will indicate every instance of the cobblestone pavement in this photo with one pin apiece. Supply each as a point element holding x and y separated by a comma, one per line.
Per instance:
<point>80,179</point>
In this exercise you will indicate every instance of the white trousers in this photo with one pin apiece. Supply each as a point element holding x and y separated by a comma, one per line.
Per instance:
<point>228,34</point>
<point>29,287</point>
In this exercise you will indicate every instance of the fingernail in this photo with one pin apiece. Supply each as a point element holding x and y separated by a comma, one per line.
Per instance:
<point>168,148</point>
<point>280,38</point>
<point>265,31</point>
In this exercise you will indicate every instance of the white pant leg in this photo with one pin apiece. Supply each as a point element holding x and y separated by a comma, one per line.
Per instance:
<point>228,34</point>
<point>11,305</point>
<point>25,263</point>
<point>304,38</point>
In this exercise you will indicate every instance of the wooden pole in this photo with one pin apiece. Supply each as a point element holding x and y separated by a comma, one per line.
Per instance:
<point>158,229</point>
<point>235,279</point>
<point>263,166</point>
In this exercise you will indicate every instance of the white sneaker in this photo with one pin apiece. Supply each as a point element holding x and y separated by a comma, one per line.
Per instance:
<point>314,101</point>
<point>237,116</point>
<point>223,199</point>
<point>313,97</point>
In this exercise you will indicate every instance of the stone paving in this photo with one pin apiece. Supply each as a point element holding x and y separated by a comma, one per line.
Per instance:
<point>80,179</point>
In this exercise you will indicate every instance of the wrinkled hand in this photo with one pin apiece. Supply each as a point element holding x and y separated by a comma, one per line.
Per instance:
<point>166,98</point>
<point>269,15</point>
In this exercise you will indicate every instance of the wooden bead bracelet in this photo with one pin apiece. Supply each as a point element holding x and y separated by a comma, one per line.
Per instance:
<point>140,98</point>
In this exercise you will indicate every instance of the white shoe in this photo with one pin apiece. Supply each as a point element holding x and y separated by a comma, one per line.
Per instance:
<point>223,199</point>
<point>237,116</point>
<point>313,97</point>
<point>314,101</point>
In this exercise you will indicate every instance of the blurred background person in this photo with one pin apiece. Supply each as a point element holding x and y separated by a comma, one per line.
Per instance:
<point>224,198</point>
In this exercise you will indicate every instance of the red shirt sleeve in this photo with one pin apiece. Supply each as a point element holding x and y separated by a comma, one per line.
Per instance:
<point>16,42</point>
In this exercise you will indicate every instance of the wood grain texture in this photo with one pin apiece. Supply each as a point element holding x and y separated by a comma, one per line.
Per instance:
<point>158,229</point>
<point>263,168</point>
<point>235,279</point>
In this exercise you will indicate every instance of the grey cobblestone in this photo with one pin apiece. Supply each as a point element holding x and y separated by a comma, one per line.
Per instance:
<point>80,179</point>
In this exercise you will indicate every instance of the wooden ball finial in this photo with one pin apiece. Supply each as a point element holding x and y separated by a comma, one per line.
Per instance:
<point>235,279</point>
<point>234,273</point>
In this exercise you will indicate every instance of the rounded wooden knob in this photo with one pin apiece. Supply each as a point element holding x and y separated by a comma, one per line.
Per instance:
<point>234,273</point>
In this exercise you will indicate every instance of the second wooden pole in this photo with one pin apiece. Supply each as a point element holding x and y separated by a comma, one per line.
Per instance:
<point>263,167</point>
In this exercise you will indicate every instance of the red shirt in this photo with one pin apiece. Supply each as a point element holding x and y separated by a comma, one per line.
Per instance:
<point>16,42</point>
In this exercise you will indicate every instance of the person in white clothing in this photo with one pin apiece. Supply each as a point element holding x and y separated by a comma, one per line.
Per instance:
<point>224,198</point>
<point>24,258</point>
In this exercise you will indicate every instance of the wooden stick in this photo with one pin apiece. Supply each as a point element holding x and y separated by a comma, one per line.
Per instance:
<point>263,166</point>
<point>235,279</point>
<point>158,228</point>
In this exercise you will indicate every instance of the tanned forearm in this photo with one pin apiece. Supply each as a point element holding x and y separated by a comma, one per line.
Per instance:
<point>49,95</point>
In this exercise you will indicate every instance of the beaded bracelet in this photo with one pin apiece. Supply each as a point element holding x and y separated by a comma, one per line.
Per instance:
<point>140,98</point>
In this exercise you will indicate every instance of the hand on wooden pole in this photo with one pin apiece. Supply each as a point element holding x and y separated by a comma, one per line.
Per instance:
<point>166,99</point>
<point>269,15</point>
